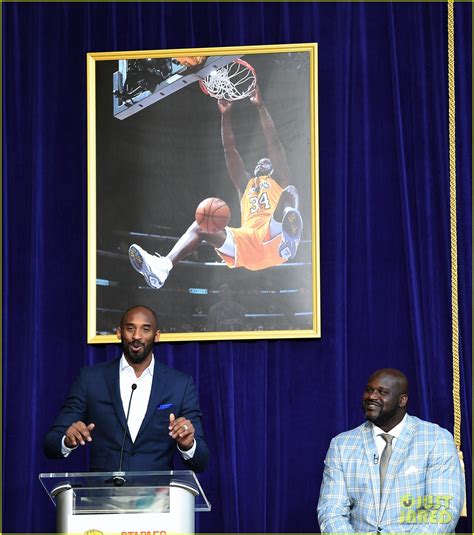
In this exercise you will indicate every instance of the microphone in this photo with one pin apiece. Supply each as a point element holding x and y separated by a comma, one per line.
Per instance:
<point>376,459</point>
<point>118,481</point>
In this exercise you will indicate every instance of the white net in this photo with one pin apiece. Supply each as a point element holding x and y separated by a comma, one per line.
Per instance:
<point>234,81</point>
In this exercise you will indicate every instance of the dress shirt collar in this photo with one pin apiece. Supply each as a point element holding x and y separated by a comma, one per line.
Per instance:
<point>124,366</point>
<point>395,432</point>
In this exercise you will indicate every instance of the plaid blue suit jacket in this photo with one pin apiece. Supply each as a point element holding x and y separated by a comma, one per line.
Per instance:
<point>423,490</point>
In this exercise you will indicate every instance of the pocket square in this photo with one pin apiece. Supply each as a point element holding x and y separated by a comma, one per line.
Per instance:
<point>164,406</point>
<point>411,470</point>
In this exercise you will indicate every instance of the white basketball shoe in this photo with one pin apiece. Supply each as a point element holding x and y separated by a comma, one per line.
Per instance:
<point>292,227</point>
<point>155,269</point>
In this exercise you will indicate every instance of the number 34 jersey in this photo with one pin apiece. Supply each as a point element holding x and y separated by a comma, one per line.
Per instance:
<point>259,201</point>
<point>253,247</point>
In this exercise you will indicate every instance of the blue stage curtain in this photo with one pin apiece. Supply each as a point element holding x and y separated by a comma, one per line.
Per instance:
<point>270,407</point>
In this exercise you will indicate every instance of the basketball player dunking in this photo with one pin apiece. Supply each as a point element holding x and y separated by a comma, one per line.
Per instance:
<point>271,224</point>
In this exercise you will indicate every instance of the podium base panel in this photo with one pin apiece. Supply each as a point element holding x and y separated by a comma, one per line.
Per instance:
<point>122,524</point>
<point>179,519</point>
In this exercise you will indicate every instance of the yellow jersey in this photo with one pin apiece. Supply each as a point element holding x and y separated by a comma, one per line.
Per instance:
<point>254,249</point>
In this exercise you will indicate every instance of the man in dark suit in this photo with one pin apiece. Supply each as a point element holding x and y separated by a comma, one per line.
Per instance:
<point>161,403</point>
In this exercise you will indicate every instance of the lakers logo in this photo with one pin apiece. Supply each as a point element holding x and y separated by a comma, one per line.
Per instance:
<point>93,532</point>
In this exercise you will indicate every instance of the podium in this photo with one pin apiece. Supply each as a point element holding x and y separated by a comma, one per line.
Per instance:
<point>154,503</point>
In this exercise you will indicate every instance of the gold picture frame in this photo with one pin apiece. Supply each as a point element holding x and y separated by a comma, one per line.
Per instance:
<point>156,150</point>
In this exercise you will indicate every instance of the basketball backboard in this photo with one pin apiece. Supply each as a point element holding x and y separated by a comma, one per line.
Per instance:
<point>138,83</point>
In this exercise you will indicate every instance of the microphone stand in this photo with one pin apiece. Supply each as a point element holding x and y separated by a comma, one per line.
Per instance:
<point>118,481</point>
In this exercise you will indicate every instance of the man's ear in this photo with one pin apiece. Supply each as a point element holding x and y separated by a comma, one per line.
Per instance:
<point>119,333</point>
<point>157,336</point>
<point>403,400</point>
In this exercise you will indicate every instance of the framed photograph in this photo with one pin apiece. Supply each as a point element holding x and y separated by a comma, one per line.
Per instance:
<point>203,191</point>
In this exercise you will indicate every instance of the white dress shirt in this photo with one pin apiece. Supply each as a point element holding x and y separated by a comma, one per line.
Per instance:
<point>395,432</point>
<point>139,404</point>
<point>140,397</point>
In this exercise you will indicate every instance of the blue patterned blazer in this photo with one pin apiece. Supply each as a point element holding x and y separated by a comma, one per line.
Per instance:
<point>423,490</point>
<point>95,397</point>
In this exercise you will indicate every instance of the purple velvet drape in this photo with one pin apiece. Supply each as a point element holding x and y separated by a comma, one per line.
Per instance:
<point>270,407</point>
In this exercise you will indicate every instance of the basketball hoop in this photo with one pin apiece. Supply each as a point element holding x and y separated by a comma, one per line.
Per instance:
<point>234,81</point>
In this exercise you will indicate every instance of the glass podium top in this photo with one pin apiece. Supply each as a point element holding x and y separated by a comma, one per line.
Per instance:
<point>101,492</point>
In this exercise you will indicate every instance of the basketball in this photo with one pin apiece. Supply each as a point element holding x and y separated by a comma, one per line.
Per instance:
<point>212,215</point>
<point>191,61</point>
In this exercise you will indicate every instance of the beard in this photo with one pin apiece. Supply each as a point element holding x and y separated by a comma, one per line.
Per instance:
<point>136,357</point>
<point>382,416</point>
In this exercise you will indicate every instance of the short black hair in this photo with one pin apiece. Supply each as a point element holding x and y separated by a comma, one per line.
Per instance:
<point>152,312</point>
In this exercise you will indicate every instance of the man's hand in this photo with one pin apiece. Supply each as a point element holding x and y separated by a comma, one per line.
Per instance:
<point>224,106</point>
<point>78,433</point>
<point>256,98</point>
<point>182,431</point>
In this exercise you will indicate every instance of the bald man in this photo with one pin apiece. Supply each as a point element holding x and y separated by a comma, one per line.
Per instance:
<point>394,473</point>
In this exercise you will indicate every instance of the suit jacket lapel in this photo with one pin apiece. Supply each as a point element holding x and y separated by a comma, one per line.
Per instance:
<point>157,393</point>
<point>371,453</point>
<point>112,379</point>
<point>399,454</point>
